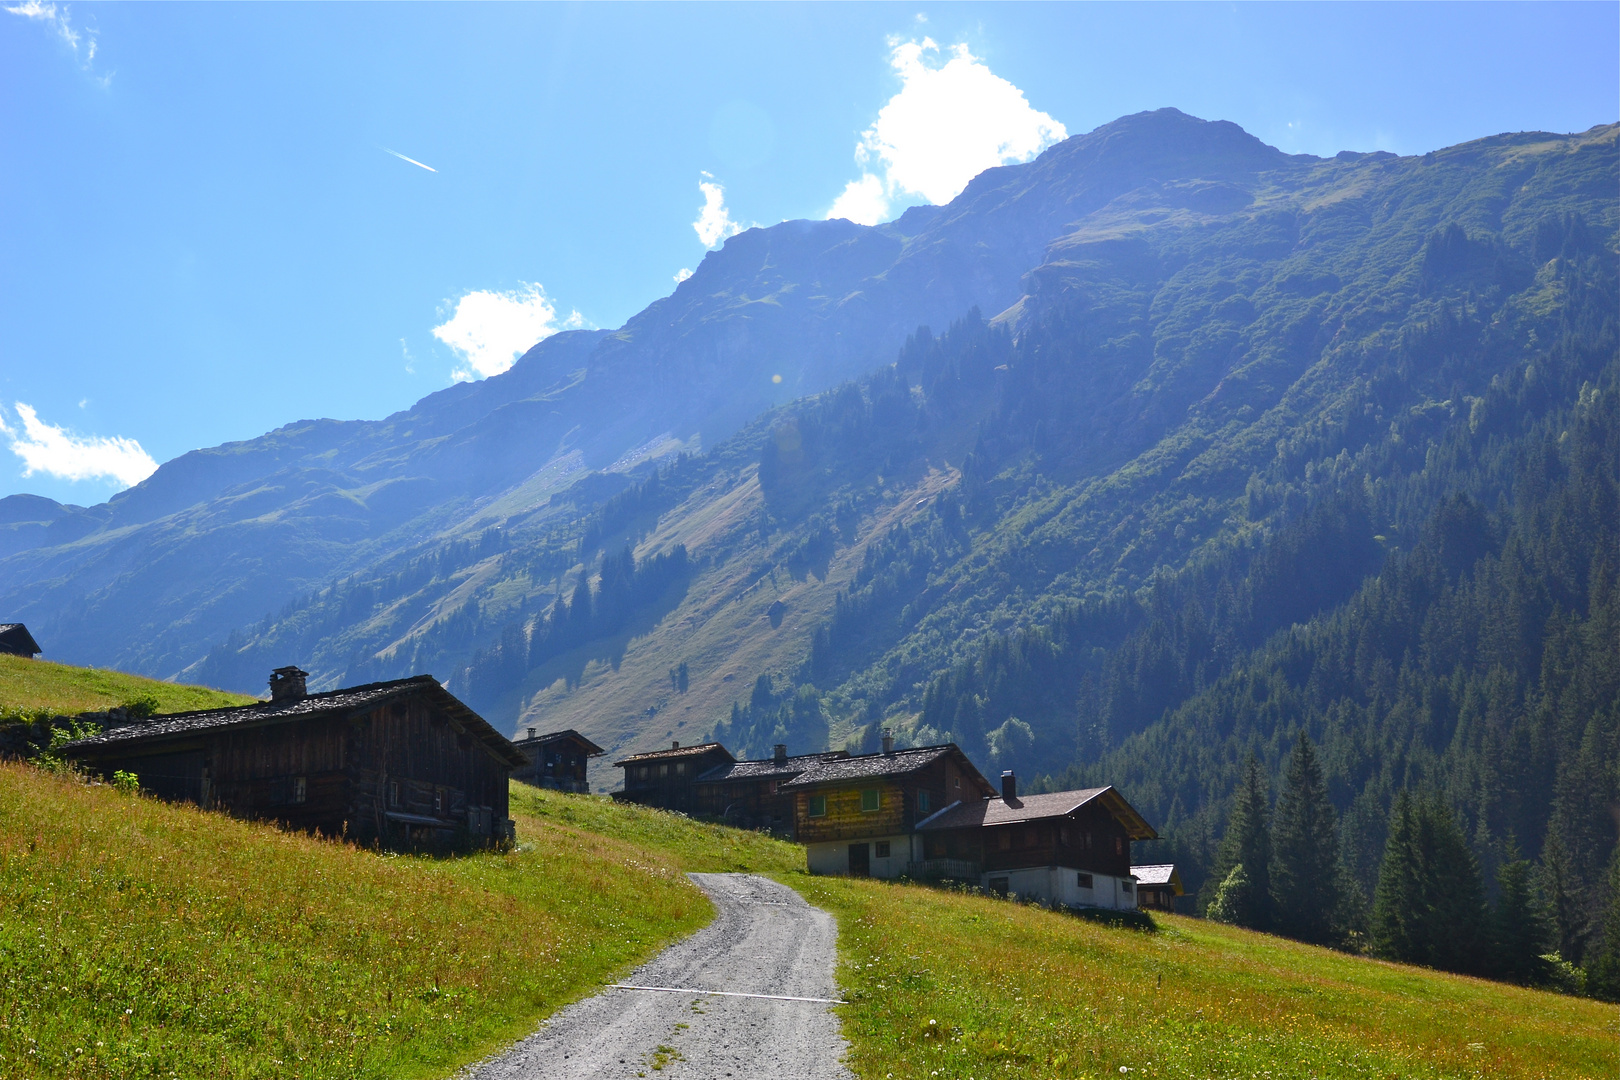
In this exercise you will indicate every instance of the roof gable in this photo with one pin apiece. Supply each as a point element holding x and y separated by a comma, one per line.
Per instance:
<point>997,811</point>
<point>330,704</point>
<point>15,638</point>
<point>567,735</point>
<point>675,752</point>
<point>857,767</point>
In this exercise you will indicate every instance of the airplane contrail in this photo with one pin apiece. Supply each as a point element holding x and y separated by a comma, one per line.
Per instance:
<point>402,157</point>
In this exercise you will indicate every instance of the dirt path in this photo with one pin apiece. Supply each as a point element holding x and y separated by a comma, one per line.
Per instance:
<point>764,940</point>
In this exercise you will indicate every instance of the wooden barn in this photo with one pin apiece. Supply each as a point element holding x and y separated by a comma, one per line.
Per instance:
<point>559,760</point>
<point>1067,848</point>
<point>667,779</point>
<point>858,814</point>
<point>750,794</point>
<point>400,763</point>
<point>1157,886</point>
<point>15,640</point>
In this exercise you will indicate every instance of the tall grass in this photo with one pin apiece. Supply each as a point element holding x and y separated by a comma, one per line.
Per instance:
<point>947,985</point>
<point>142,939</point>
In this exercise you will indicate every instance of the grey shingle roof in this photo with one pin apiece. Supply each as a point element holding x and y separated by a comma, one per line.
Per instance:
<point>871,766</point>
<point>768,768</point>
<point>675,752</point>
<point>339,702</point>
<point>553,736</point>
<point>996,811</point>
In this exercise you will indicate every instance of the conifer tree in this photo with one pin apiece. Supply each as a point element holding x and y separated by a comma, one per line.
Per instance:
<point>1305,878</point>
<point>1398,902</point>
<point>1519,930</point>
<point>1248,844</point>
<point>1603,973</point>
<point>1455,914</point>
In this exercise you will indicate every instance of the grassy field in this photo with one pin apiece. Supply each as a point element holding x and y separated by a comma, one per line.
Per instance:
<point>950,985</point>
<point>29,686</point>
<point>141,939</point>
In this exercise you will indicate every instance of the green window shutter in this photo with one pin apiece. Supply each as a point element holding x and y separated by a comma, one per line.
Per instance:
<point>871,800</point>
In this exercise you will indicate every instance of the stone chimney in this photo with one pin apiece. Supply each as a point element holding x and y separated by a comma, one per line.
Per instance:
<point>888,741</point>
<point>531,734</point>
<point>779,755</point>
<point>1009,786</point>
<point>676,745</point>
<point>287,684</point>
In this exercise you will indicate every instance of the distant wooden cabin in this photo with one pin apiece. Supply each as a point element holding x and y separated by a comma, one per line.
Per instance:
<point>401,763</point>
<point>750,794</point>
<point>15,640</point>
<point>858,814</point>
<point>1157,886</point>
<point>558,760</point>
<point>1068,848</point>
<point>667,779</point>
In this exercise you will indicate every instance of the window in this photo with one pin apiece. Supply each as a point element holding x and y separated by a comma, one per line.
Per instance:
<point>1083,880</point>
<point>663,770</point>
<point>1063,835</point>
<point>958,783</point>
<point>1119,845</point>
<point>871,801</point>
<point>1125,886</point>
<point>818,806</point>
<point>299,789</point>
<point>438,802</point>
<point>882,849</point>
<point>680,768</point>
<point>393,793</point>
<point>924,802</point>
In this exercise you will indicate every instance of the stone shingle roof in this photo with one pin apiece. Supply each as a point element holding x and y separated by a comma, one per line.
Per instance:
<point>591,749</point>
<point>344,702</point>
<point>871,766</point>
<point>768,768</point>
<point>676,752</point>
<point>997,811</point>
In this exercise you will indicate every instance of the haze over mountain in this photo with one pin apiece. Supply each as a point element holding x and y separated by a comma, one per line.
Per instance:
<point>1207,444</point>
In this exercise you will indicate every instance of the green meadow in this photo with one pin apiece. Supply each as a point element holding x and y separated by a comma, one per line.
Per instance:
<point>143,939</point>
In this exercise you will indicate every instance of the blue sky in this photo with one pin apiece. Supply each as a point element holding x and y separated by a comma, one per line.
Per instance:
<point>204,235</point>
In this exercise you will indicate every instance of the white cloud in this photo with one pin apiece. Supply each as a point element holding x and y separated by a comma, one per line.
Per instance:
<point>682,274</point>
<point>863,201</point>
<point>947,124</point>
<point>714,222</point>
<point>46,448</point>
<point>56,18</point>
<point>489,330</point>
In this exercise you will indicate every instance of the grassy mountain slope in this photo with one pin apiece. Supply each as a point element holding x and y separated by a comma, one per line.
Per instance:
<point>39,686</point>
<point>947,985</point>
<point>150,940</point>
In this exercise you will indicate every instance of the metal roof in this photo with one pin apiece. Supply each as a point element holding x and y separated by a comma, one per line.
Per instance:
<point>1159,874</point>
<point>332,703</point>
<point>997,811</point>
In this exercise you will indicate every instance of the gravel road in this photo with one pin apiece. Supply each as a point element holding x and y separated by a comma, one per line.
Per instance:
<point>764,940</point>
